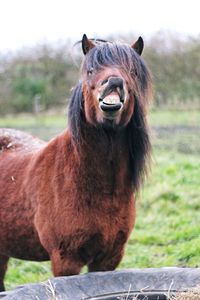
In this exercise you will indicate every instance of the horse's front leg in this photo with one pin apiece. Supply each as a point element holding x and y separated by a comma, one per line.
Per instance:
<point>64,265</point>
<point>62,250</point>
<point>109,260</point>
<point>3,267</point>
<point>108,263</point>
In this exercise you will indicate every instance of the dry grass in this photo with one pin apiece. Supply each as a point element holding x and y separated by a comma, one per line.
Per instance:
<point>190,294</point>
<point>51,290</point>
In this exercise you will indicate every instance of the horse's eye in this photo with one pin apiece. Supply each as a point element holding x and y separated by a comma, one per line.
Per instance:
<point>90,71</point>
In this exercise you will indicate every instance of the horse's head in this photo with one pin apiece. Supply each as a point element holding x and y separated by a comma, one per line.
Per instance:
<point>113,93</point>
<point>113,77</point>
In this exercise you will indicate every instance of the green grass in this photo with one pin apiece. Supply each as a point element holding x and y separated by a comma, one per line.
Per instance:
<point>22,272</point>
<point>165,117</point>
<point>174,117</point>
<point>167,230</point>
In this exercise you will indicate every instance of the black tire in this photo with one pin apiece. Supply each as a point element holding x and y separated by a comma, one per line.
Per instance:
<point>145,283</point>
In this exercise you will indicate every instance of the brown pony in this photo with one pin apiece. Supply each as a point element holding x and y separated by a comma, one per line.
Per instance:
<point>72,200</point>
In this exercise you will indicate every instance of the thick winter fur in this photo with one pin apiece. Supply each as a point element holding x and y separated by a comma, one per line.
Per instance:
<point>72,200</point>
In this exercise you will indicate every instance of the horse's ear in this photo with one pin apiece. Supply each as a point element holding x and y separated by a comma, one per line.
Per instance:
<point>138,45</point>
<point>87,44</point>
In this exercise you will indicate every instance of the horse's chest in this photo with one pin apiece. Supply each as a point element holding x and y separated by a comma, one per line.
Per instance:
<point>98,235</point>
<point>95,246</point>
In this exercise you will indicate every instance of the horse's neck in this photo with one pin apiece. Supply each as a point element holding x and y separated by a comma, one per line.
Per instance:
<point>95,166</point>
<point>104,160</point>
<point>104,146</point>
<point>97,149</point>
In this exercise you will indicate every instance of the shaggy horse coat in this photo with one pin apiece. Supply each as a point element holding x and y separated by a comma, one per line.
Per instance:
<point>72,200</point>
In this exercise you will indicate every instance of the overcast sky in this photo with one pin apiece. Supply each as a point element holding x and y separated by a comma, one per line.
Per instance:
<point>26,22</point>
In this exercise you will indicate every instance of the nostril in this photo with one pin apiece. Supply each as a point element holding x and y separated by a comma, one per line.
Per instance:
<point>113,80</point>
<point>113,84</point>
<point>104,81</point>
<point>116,82</point>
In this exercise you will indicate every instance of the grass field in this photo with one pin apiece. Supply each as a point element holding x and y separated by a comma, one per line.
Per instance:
<point>167,230</point>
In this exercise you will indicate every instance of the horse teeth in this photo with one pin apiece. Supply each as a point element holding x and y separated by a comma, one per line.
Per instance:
<point>113,100</point>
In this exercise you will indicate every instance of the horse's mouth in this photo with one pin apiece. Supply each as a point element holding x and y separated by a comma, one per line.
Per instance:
<point>112,97</point>
<point>110,103</point>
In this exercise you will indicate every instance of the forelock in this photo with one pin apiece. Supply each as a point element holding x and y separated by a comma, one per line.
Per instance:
<point>111,54</point>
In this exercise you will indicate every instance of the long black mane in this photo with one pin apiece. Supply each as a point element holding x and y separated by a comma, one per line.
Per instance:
<point>76,115</point>
<point>124,57</point>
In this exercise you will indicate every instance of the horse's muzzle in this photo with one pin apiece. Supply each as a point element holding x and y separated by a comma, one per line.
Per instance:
<point>113,95</point>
